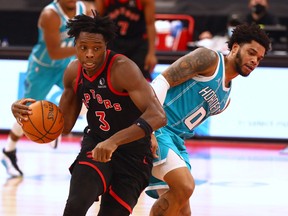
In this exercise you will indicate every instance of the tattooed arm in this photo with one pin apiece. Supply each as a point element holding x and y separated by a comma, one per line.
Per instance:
<point>201,61</point>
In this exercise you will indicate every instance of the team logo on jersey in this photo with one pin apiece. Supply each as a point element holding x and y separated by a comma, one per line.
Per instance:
<point>102,83</point>
<point>218,80</point>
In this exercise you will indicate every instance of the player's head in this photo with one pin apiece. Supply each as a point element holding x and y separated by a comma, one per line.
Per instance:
<point>245,33</point>
<point>96,25</point>
<point>91,35</point>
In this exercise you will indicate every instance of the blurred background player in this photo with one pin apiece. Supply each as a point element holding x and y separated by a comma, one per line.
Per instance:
<point>46,65</point>
<point>136,30</point>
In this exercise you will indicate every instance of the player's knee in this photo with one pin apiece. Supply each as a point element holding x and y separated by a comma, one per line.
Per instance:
<point>183,191</point>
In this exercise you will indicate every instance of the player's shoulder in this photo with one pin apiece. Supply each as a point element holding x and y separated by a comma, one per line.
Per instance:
<point>205,51</point>
<point>210,56</point>
<point>74,64</point>
<point>204,60</point>
<point>49,13</point>
<point>121,60</point>
<point>124,68</point>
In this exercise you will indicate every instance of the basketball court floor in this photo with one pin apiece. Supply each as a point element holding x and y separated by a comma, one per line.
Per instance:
<point>232,179</point>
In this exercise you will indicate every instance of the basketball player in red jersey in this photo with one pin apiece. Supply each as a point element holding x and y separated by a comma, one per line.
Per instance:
<point>115,160</point>
<point>136,30</point>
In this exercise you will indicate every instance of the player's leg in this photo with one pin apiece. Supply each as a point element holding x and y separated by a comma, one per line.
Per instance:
<point>89,180</point>
<point>9,158</point>
<point>131,171</point>
<point>110,206</point>
<point>186,210</point>
<point>171,182</point>
<point>181,185</point>
<point>85,187</point>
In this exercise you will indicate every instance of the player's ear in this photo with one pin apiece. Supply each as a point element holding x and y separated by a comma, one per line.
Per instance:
<point>235,48</point>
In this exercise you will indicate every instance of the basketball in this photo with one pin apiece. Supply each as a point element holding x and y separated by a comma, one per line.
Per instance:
<point>45,124</point>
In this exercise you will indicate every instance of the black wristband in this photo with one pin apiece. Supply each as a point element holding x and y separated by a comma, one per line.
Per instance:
<point>144,125</point>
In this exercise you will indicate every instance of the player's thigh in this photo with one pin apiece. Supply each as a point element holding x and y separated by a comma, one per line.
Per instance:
<point>180,178</point>
<point>173,161</point>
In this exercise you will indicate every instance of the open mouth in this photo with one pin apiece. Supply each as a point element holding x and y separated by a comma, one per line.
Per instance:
<point>89,65</point>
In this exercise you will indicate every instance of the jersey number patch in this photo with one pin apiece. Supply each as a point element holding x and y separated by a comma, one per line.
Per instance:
<point>195,119</point>
<point>104,124</point>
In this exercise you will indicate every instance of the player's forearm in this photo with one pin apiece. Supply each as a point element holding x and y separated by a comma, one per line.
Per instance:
<point>62,53</point>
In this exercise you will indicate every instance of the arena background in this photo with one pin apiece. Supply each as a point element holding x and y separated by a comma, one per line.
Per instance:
<point>256,111</point>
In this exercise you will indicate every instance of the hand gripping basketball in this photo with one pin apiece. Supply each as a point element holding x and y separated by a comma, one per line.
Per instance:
<point>45,124</point>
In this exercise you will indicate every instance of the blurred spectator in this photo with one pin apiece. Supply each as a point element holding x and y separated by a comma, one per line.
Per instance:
<point>218,41</point>
<point>259,13</point>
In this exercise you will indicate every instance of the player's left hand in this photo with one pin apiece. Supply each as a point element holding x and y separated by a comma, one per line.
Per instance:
<point>154,146</point>
<point>103,151</point>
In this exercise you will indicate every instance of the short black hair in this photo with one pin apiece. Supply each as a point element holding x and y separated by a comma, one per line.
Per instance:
<point>96,24</point>
<point>245,33</point>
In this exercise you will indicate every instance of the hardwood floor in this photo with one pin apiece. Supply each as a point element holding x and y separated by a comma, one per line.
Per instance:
<point>233,179</point>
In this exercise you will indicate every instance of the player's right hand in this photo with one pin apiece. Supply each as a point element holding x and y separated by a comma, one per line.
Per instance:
<point>21,110</point>
<point>103,151</point>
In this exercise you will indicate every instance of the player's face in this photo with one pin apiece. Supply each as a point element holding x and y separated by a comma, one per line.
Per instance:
<point>91,51</point>
<point>248,57</point>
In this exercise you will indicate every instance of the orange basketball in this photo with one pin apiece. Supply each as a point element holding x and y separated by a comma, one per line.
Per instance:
<point>45,124</point>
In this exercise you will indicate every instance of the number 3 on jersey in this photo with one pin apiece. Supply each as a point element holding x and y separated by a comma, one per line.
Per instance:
<point>104,124</point>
